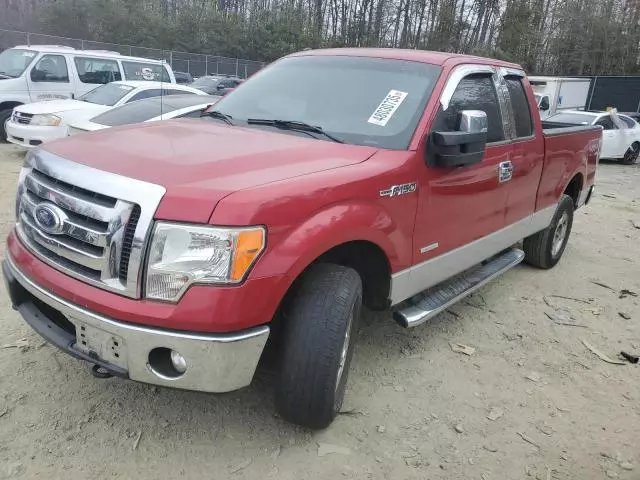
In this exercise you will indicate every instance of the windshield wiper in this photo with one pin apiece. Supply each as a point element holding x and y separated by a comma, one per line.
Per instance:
<point>5,75</point>
<point>219,115</point>
<point>294,125</point>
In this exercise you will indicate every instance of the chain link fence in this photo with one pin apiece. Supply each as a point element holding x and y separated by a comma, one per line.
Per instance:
<point>197,64</point>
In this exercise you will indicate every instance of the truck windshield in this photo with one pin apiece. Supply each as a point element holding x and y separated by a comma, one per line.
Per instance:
<point>572,118</point>
<point>108,94</point>
<point>15,61</point>
<point>362,101</point>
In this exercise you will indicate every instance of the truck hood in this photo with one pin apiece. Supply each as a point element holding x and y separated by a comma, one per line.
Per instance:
<point>61,106</point>
<point>200,162</point>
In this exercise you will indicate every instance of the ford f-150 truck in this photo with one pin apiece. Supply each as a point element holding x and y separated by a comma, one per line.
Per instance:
<point>179,253</point>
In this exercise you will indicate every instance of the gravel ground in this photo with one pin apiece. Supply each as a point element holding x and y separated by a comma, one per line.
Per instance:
<point>531,401</point>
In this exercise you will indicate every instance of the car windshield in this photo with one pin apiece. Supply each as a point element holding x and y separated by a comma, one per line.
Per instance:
<point>15,61</point>
<point>108,94</point>
<point>362,101</point>
<point>572,118</point>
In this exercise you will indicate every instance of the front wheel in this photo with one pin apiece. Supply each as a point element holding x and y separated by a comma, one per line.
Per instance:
<point>318,347</point>
<point>545,248</point>
<point>5,115</point>
<point>631,155</point>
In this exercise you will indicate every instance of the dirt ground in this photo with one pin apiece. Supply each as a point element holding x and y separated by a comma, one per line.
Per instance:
<point>530,402</point>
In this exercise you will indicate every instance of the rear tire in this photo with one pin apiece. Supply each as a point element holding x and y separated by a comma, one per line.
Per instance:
<point>631,155</point>
<point>4,118</point>
<point>545,248</point>
<point>318,345</point>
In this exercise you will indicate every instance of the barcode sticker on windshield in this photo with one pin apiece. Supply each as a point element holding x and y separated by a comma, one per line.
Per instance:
<point>387,107</point>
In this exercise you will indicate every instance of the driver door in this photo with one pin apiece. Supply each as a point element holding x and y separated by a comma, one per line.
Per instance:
<point>49,79</point>
<point>460,205</point>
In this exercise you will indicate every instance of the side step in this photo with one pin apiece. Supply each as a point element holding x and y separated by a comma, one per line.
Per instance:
<point>438,298</point>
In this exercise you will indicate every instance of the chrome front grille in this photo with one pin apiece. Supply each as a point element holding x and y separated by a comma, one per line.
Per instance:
<point>24,118</point>
<point>89,224</point>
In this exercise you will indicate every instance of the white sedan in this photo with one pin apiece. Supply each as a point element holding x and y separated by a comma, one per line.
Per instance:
<point>620,136</point>
<point>147,110</point>
<point>34,123</point>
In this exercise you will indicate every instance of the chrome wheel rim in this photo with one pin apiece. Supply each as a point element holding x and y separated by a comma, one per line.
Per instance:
<point>345,350</point>
<point>559,234</point>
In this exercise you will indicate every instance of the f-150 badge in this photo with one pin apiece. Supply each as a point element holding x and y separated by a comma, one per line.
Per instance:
<point>396,190</point>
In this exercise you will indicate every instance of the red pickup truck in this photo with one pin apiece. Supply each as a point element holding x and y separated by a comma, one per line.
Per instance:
<point>178,253</point>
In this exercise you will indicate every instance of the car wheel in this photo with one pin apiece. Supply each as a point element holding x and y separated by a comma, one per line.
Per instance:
<point>5,115</point>
<point>318,345</point>
<point>631,155</point>
<point>545,248</point>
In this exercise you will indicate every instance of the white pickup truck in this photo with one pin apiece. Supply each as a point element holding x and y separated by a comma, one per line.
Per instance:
<point>43,72</point>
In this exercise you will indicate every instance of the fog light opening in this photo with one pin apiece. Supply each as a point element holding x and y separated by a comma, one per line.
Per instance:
<point>166,363</point>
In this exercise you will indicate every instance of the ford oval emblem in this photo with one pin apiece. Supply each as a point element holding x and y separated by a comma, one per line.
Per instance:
<point>49,218</point>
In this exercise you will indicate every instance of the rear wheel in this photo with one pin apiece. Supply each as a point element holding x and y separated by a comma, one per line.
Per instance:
<point>631,155</point>
<point>5,115</point>
<point>545,248</point>
<point>318,345</point>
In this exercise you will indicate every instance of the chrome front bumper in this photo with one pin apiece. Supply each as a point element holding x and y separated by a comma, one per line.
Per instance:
<point>215,363</point>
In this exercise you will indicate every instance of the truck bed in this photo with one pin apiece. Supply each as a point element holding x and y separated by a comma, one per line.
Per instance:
<point>568,149</point>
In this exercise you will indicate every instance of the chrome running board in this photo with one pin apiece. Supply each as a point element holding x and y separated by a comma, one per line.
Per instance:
<point>434,300</point>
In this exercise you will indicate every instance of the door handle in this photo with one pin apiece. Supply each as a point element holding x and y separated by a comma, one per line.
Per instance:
<point>505,171</point>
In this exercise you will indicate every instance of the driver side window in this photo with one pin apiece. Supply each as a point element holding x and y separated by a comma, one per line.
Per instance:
<point>607,123</point>
<point>475,92</point>
<point>50,68</point>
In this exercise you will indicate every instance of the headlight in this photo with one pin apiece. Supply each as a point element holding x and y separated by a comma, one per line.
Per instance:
<point>181,255</point>
<point>47,120</point>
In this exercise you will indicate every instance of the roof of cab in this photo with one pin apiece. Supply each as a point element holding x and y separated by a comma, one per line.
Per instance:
<point>93,53</point>
<point>422,56</point>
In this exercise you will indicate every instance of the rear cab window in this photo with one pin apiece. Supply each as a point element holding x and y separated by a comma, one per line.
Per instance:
<point>145,71</point>
<point>97,70</point>
<point>520,107</point>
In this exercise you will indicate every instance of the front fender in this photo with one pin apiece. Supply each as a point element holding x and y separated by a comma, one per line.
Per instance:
<point>290,253</point>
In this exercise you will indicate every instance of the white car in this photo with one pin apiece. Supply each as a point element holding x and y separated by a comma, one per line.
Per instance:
<point>147,110</point>
<point>33,73</point>
<point>621,135</point>
<point>32,124</point>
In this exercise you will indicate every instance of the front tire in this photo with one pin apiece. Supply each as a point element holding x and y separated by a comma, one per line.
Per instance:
<point>318,347</point>
<point>545,248</point>
<point>5,115</point>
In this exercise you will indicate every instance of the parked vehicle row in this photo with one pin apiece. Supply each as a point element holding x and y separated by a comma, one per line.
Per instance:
<point>216,85</point>
<point>41,72</point>
<point>177,253</point>
<point>34,123</point>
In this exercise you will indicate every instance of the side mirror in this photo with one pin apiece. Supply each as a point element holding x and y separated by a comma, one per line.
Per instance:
<point>544,104</point>
<point>462,147</point>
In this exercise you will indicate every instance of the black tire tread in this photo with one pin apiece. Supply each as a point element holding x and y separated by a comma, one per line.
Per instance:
<point>313,343</point>
<point>537,247</point>
<point>4,114</point>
